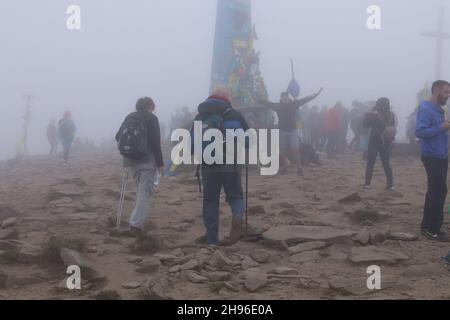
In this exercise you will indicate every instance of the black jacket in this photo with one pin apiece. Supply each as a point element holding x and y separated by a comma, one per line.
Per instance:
<point>154,136</point>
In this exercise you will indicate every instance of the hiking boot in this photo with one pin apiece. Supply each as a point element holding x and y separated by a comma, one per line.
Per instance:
<point>235,232</point>
<point>439,236</point>
<point>367,187</point>
<point>201,240</point>
<point>390,188</point>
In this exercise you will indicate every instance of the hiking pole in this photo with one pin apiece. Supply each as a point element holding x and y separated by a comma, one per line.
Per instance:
<point>246,198</point>
<point>122,198</point>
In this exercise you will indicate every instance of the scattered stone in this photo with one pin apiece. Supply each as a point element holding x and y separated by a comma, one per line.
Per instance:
<point>286,205</point>
<point>297,234</point>
<point>402,236</point>
<point>192,264</point>
<point>379,236</point>
<point>155,289</point>
<point>362,237</point>
<point>261,256</point>
<point>219,260</point>
<point>37,226</point>
<point>6,234</point>
<point>367,213</point>
<point>61,202</point>
<point>175,202</point>
<point>305,257</point>
<point>350,287</point>
<point>131,285</point>
<point>9,245</point>
<point>248,263</point>
<point>350,199</point>
<point>424,270</point>
<point>285,271</point>
<point>255,280</point>
<point>9,222</point>
<point>264,197</point>
<point>71,257</point>
<point>149,265</point>
<point>195,277</point>
<point>219,276</point>
<point>135,259</point>
<point>375,254</point>
<point>4,278</point>
<point>307,246</point>
<point>108,295</point>
<point>166,257</point>
<point>30,253</point>
<point>255,210</point>
<point>182,227</point>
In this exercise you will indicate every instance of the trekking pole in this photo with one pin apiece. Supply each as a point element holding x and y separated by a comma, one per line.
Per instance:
<point>122,198</point>
<point>246,198</point>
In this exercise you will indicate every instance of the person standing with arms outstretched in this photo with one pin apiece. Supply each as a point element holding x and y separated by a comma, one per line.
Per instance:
<point>432,130</point>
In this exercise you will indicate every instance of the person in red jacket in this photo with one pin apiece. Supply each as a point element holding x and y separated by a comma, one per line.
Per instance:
<point>332,127</point>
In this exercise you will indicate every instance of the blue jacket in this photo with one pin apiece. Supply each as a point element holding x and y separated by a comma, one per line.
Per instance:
<point>433,138</point>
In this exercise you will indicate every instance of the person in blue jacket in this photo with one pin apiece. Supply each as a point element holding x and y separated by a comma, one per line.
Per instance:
<point>432,130</point>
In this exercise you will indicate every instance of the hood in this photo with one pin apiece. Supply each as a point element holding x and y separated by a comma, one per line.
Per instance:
<point>214,105</point>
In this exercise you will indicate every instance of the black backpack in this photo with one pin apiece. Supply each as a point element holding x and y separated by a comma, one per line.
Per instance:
<point>133,137</point>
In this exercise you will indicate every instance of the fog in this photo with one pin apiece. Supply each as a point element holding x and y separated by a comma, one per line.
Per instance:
<point>163,49</point>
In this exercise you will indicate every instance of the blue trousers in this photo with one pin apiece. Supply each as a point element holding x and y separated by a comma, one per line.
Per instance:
<point>212,185</point>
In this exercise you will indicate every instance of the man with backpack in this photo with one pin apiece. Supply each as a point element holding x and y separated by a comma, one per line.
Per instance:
<point>66,133</point>
<point>217,113</point>
<point>432,129</point>
<point>139,142</point>
<point>382,125</point>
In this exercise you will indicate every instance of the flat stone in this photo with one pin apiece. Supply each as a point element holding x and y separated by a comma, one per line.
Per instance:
<point>219,276</point>
<point>285,271</point>
<point>9,222</point>
<point>375,254</point>
<point>362,237</point>
<point>37,226</point>
<point>291,212</point>
<point>423,270</point>
<point>192,264</point>
<point>30,253</point>
<point>379,236</point>
<point>402,236</point>
<point>296,234</point>
<point>6,234</point>
<point>9,245</point>
<point>195,277</point>
<point>354,287</point>
<point>255,280</point>
<point>4,278</point>
<point>131,285</point>
<point>72,257</point>
<point>219,260</point>
<point>350,199</point>
<point>307,246</point>
<point>151,264</point>
<point>305,257</point>
<point>255,210</point>
<point>261,256</point>
<point>248,262</point>
<point>166,257</point>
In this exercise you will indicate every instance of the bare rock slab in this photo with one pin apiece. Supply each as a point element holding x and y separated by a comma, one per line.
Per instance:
<point>308,246</point>
<point>297,234</point>
<point>305,257</point>
<point>375,254</point>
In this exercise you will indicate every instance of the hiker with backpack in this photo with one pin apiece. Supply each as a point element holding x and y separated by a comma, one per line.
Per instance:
<point>66,133</point>
<point>382,126</point>
<point>139,143</point>
<point>217,113</point>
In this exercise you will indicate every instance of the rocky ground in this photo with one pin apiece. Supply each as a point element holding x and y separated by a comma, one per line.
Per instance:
<point>310,237</point>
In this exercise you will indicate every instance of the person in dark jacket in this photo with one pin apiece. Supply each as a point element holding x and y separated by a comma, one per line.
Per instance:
<point>432,130</point>
<point>66,133</point>
<point>381,118</point>
<point>286,110</point>
<point>332,128</point>
<point>228,176</point>
<point>144,170</point>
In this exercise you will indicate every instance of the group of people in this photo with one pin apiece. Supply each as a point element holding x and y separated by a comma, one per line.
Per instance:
<point>62,133</point>
<point>380,123</point>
